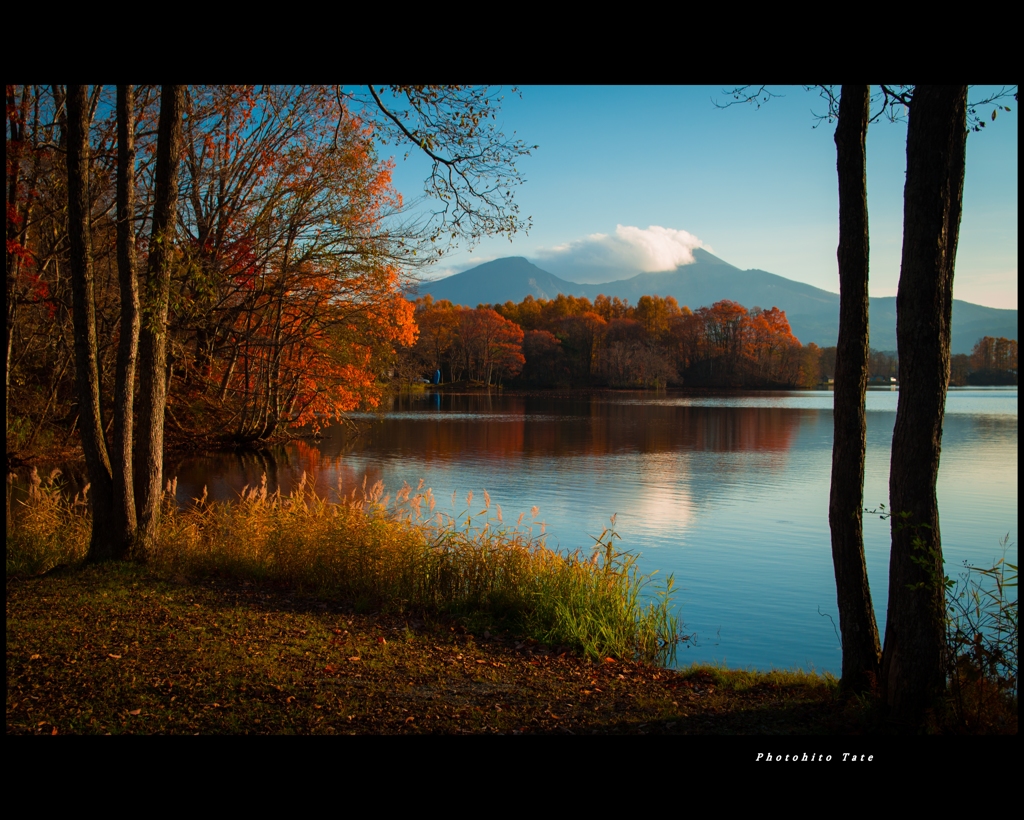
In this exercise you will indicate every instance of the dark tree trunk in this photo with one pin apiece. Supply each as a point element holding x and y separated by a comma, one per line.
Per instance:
<point>861,648</point>
<point>149,450</point>
<point>127,349</point>
<point>17,117</point>
<point>87,374</point>
<point>913,663</point>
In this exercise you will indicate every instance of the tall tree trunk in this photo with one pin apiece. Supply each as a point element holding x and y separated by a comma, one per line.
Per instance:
<point>125,519</point>
<point>16,123</point>
<point>87,374</point>
<point>149,450</point>
<point>861,647</point>
<point>913,662</point>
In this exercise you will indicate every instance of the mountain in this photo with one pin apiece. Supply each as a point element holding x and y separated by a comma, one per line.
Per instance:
<point>813,313</point>
<point>499,281</point>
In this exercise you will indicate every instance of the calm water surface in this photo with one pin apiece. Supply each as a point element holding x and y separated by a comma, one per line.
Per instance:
<point>728,493</point>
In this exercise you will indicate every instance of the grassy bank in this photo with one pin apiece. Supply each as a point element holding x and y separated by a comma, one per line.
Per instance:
<point>387,554</point>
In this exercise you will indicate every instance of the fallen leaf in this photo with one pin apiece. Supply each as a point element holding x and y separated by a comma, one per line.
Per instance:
<point>135,712</point>
<point>54,731</point>
<point>35,657</point>
<point>354,658</point>
<point>381,640</point>
<point>115,657</point>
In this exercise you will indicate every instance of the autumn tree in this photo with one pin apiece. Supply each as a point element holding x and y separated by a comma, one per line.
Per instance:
<point>769,343</point>
<point>438,331</point>
<point>545,361</point>
<point>581,336</point>
<point>992,361</point>
<point>655,314</point>
<point>275,298</point>
<point>612,308</point>
<point>39,353</point>
<point>809,375</point>
<point>722,338</point>
<point>503,347</point>
<point>290,307</point>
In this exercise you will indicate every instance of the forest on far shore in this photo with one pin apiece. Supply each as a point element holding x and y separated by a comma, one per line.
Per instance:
<point>275,297</point>
<point>573,342</point>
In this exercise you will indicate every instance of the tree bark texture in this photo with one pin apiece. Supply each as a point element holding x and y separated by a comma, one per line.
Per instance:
<point>913,662</point>
<point>152,360</point>
<point>125,519</point>
<point>87,375</point>
<point>861,646</point>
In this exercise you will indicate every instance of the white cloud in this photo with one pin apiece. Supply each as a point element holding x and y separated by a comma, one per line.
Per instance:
<point>628,251</point>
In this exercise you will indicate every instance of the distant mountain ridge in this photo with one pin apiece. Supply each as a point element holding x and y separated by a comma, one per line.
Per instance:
<point>813,313</point>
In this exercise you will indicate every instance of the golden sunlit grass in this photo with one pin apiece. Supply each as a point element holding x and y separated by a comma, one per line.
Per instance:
<point>47,529</point>
<point>391,554</point>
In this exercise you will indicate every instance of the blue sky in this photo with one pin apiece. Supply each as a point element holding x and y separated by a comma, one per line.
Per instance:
<point>627,177</point>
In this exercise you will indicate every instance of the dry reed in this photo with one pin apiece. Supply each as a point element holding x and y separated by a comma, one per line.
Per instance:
<point>393,554</point>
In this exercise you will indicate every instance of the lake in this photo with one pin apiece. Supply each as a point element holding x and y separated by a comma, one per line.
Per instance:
<point>726,492</point>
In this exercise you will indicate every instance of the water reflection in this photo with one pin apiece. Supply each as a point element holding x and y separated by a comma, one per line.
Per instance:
<point>729,492</point>
<point>502,430</point>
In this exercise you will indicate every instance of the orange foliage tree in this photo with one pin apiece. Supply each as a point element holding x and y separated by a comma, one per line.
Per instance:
<point>994,354</point>
<point>770,345</point>
<point>290,306</point>
<point>286,259</point>
<point>477,344</point>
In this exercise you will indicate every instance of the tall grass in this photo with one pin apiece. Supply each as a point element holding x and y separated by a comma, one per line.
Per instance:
<point>46,529</point>
<point>982,636</point>
<point>398,553</point>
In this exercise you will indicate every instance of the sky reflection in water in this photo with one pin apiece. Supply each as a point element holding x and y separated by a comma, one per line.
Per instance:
<point>729,493</point>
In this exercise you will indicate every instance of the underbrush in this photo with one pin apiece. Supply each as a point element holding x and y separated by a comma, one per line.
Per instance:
<point>982,643</point>
<point>391,554</point>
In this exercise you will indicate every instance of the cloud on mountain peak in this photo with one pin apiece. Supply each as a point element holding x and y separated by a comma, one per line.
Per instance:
<point>628,251</point>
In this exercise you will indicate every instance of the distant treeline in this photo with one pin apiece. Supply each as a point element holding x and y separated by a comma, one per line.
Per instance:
<point>992,362</point>
<point>573,342</point>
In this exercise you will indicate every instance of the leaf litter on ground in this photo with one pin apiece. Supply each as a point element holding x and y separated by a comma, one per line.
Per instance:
<point>121,649</point>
